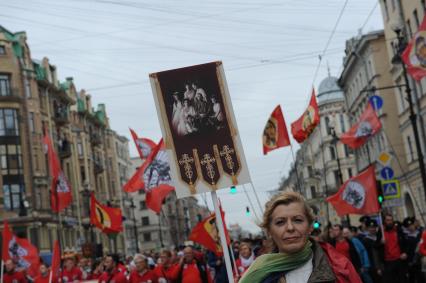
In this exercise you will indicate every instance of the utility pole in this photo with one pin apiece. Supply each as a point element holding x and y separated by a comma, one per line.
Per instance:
<point>133,207</point>
<point>400,47</point>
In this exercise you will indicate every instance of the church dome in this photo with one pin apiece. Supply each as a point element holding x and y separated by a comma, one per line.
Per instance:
<point>329,91</point>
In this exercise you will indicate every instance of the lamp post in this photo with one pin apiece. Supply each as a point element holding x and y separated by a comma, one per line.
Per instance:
<point>88,225</point>
<point>339,168</point>
<point>133,207</point>
<point>399,48</point>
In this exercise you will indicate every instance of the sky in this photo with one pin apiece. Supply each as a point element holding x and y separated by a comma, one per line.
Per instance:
<point>270,50</point>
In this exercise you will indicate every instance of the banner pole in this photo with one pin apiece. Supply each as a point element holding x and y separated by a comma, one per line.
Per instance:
<point>221,229</point>
<point>51,274</point>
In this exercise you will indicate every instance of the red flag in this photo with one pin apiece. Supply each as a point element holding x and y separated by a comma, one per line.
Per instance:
<point>153,177</point>
<point>60,195</point>
<point>108,219</point>
<point>56,261</point>
<point>414,55</point>
<point>21,251</point>
<point>206,234</point>
<point>275,134</point>
<point>358,195</point>
<point>367,126</point>
<point>144,145</point>
<point>304,126</point>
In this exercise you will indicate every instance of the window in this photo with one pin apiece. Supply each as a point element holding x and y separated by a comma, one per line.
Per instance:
<point>410,31</point>
<point>332,153</point>
<point>11,159</point>
<point>145,221</point>
<point>2,50</point>
<point>348,151</point>
<point>336,176</point>
<point>4,85</point>
<point>31,122</point>
<point>350,172</point>
<point>142,205</point>
<point>141,192</point>
<point>12,196</point>
<point>80,149</point>
<point>8,122</point>
<point>147,237</point>
<point>342,123</point>
<point>327,125</point>
<point>310,171</point>
<point>27,87</point>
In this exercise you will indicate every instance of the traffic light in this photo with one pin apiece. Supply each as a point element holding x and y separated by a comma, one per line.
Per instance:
<point>316,224</point>
<point>380,197</point>
<point>247,211</point>
<point>233,190</point>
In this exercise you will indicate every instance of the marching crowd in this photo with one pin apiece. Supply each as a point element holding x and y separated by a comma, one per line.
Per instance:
<point>395,252</point>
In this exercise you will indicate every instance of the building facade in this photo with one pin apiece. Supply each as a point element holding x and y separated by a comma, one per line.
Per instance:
<point>366,75</point>
<point>406,16</point>
<point>34,102</point>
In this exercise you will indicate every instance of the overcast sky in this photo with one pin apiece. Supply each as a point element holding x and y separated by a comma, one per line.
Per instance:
<point>270,52</point>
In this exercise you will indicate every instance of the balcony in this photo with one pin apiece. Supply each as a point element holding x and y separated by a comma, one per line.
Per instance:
<point>98,166</point>
<point>64,149</point>
<point>95,139</point>
<point>13,95</point>
<point>60,115</point>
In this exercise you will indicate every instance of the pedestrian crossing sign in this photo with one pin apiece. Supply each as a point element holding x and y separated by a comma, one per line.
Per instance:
<point>391,189</point>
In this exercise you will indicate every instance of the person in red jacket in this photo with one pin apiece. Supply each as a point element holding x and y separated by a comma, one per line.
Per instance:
<point>70,273</point>
<point>44,275</point>
<point>162,271</point>
<point>395,259</point>
<point>112,273</point>
<point>142,273</point>
<point>11,275</point>
<point>189,270</point>
<point>245,259</point>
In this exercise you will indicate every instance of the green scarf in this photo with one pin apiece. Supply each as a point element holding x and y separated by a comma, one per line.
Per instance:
<point>276,262</point>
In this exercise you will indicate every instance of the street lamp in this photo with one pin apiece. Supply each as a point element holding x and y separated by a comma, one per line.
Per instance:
<point>133,207</point>
<point>339,168</point>
<point>399,47</point>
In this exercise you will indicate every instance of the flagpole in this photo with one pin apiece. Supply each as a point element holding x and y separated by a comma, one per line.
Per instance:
<point>234,264</point>
<point>220,226</point>
<point>159,228</point>
<point>295,168</point>
<point>50,275</point>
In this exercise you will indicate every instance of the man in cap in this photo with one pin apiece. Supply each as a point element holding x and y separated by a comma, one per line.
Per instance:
<point>411,238</point>
<point>374,249</point>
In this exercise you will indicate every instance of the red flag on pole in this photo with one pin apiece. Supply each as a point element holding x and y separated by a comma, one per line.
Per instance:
<point>367,126</point>
<point>60,195</point>
<point>304,126</point>
<point>108,219</point>
<point>20,251</point>
<point>358,195</point>
<point>56,261</point>
<point>206,234</point>
<point>153,177</point>
<point>414,55</point>
<point>275,134</point>
<point>144,145</point>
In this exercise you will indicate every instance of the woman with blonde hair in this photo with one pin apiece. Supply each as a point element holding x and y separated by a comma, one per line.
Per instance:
<point>294,257</point>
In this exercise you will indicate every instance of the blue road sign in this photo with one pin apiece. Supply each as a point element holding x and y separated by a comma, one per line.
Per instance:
<point>391,189</point>
<point>376,101</point>
<point>386,173</point>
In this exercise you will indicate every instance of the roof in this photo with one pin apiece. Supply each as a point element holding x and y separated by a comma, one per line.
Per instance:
<point>329,91</point>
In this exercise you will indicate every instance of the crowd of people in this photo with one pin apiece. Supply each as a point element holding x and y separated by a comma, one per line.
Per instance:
<point>292,251</point>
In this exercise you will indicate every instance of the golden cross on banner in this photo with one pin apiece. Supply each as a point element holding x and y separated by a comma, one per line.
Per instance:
<point>186,162</point>
<point>207,161</point>
<point>228,158</point>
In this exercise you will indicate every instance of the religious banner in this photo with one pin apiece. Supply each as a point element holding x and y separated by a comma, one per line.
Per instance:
<point>199,129</point>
